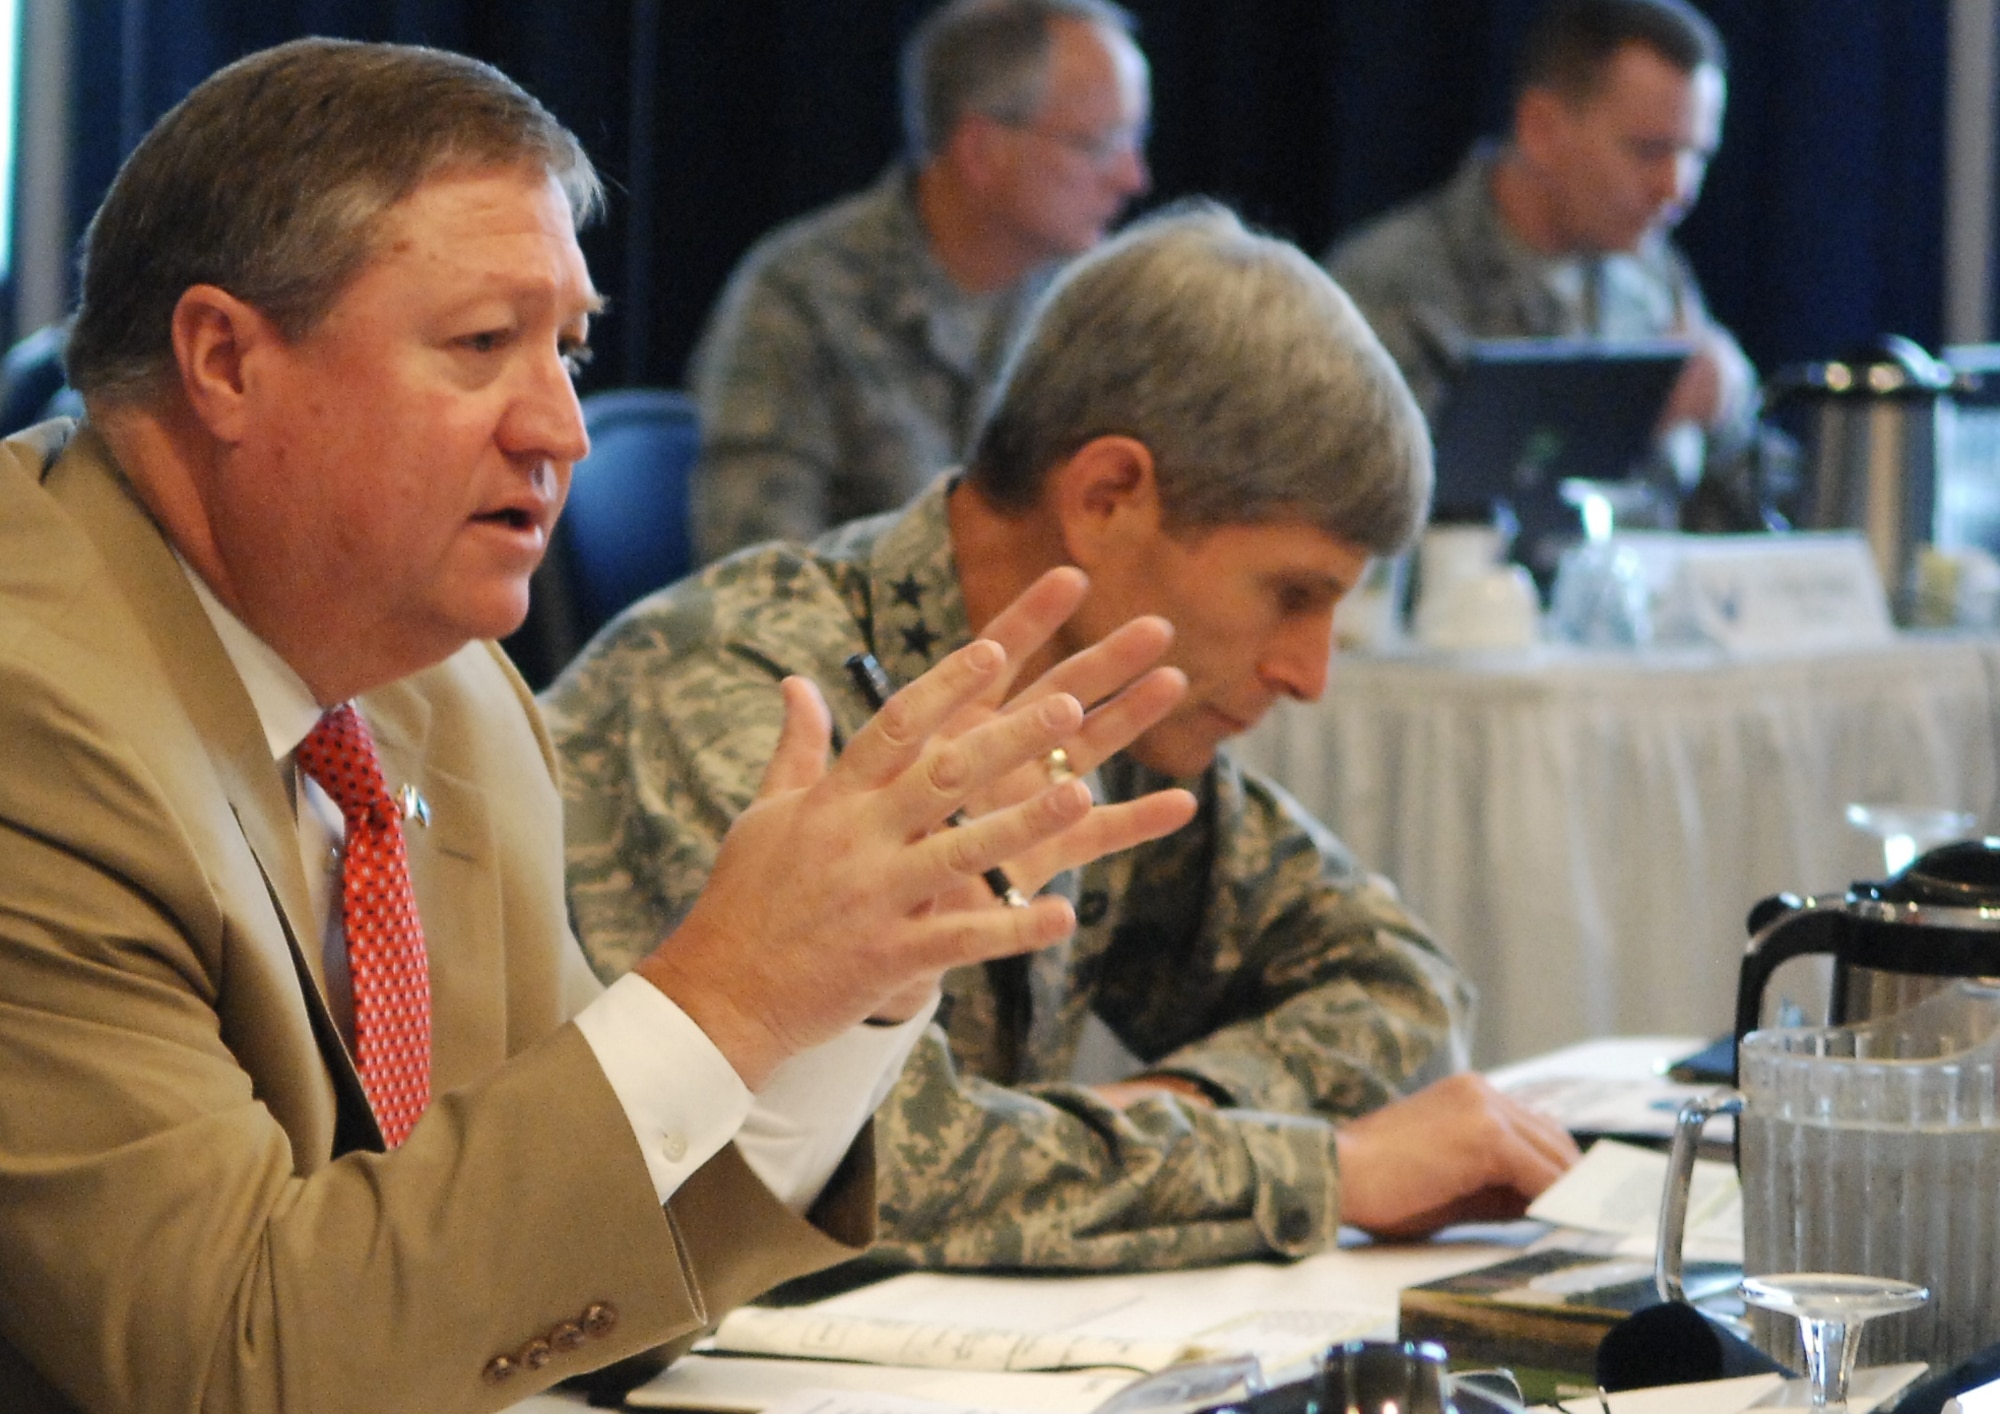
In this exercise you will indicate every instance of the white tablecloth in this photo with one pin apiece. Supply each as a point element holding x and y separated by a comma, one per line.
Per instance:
<point>1585,832</point>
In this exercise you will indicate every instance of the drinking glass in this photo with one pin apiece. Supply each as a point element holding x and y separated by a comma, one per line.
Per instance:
<point>1201,1384</point>
<point>1906,831</point>
<point>1831,1309</point>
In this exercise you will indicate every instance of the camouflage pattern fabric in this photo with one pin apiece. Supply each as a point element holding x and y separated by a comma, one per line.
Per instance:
<point>1443,268</point>
<point>1247,952</point>
<point>840,371</point>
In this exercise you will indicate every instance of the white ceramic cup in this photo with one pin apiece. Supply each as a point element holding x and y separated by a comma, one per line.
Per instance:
<point>1450,553</point>
<point>1495,608</point>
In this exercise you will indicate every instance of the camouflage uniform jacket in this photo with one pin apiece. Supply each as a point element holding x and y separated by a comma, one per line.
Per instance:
<point>1247,951</point>
<point>1444,268</point>
<point>840,371</point>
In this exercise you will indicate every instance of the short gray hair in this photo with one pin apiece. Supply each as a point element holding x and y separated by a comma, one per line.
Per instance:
<point>989,57</point>
<point>271,180</point>
<point>1248,374</point>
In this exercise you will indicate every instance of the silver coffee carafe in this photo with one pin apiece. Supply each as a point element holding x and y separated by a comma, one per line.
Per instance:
<point>1892,943</point>
<point>1867,429</point>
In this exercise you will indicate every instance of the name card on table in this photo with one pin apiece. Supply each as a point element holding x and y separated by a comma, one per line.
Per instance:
<point>1754,593</point>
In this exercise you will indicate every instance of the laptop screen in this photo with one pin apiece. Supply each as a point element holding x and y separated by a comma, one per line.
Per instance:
<point>1521,416</point>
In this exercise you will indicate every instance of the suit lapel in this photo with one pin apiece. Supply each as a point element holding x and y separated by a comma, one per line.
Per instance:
<point>457,888</point>
<point>451,859</point>
<point>208,690</point>
<point>200,671</point>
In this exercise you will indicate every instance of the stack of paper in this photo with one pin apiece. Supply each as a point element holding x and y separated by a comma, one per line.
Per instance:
<point>1017,1342</point>
<point>1616,1191</point>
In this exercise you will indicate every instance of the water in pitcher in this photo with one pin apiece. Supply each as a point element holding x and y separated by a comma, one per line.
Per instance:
<point>1917,1205</point>
<point>1875,1150</point>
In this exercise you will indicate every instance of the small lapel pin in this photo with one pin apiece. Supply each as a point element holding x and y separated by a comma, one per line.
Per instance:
<point>414,806</point>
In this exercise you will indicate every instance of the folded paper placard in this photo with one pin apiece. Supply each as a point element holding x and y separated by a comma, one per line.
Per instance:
<point>1764,593</point>
<point>1785,591</point>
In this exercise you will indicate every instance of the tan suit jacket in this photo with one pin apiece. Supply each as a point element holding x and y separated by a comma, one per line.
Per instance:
<point>191,1216</point>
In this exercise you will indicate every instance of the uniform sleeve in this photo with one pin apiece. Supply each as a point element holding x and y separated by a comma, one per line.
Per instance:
<point>979,1175</point>
<point>769,433</point>
<point>1329,997</point>
<point>1382,270</point>
<point>1736,423</point>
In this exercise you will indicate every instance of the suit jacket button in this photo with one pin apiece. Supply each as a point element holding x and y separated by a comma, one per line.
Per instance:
<point>499,1369</point>
<point>599,1318</point>
<point>536,1353</point>
<point>566,1337</point>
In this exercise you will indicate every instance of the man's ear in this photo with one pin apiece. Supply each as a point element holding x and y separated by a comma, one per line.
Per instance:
<point>1540,115</point>
<point>1107,498</point>
<point>215,335</point>
<point>977,151</point>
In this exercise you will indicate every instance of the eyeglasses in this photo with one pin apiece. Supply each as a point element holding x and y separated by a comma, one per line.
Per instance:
<point>1099,149</point>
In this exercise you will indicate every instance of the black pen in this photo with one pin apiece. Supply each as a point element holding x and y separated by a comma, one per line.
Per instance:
<point>874,685</point>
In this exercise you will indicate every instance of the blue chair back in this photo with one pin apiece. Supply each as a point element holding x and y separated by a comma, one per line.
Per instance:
<point>624,532</point>
<point>628,516</point>
<point>32,386</point>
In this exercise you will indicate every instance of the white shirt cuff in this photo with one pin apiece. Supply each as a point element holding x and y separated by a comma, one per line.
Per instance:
<point>683,1100</point>
<point>805,1118</point>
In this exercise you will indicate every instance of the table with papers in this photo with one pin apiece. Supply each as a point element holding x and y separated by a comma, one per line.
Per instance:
<point>961,1343</point>
<point>1012,1341</point>
<point>1585,831</point>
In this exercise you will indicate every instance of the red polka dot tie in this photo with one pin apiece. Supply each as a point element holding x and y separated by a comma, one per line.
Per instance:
<point>378,910</point>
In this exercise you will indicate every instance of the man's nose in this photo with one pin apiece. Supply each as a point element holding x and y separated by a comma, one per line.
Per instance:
<point>545,419</point>
<point>1689,169</point>
<point>1130,172</point>
<point>1298,659</point>
<point>1674,182</point>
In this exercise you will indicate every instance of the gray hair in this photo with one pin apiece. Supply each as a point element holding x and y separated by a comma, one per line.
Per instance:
<point>271,180</point>
<point>1249,375</point>
<point>989,57</point>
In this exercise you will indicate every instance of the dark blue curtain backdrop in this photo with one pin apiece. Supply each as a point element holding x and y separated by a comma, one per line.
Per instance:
<point>1821,225</point>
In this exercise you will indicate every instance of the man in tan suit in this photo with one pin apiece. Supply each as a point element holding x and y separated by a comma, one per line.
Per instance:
<point>329,315</point>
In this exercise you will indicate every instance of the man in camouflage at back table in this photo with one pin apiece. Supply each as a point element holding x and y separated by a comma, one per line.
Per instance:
<point>1200,422</point>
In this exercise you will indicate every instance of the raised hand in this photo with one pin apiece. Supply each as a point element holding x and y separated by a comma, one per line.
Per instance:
<point>836,896</point>
<point>1123,694</point>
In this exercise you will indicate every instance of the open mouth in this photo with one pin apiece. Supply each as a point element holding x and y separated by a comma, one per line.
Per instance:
<point>513,518</point>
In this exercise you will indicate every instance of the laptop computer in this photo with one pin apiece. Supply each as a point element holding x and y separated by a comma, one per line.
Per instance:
<point>1522,416</point>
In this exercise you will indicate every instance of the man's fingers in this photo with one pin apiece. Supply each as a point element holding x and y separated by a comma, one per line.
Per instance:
<point>963,937</point>
<point>1113,726</point>
<point>803,740</point>
<point>1527,1150</point>
<point>953,771</point>
<point>967,851</point>
<point>896,736</point>
<point>1107,829</point>
<point>1547,1149</point>
<point>1026,624</point>
<point>1095,673</point>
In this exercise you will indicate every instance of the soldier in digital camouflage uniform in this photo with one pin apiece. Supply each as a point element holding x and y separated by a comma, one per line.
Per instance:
<point>1268,984</point>
<point>1565,229</point>
<point>847,358</point>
